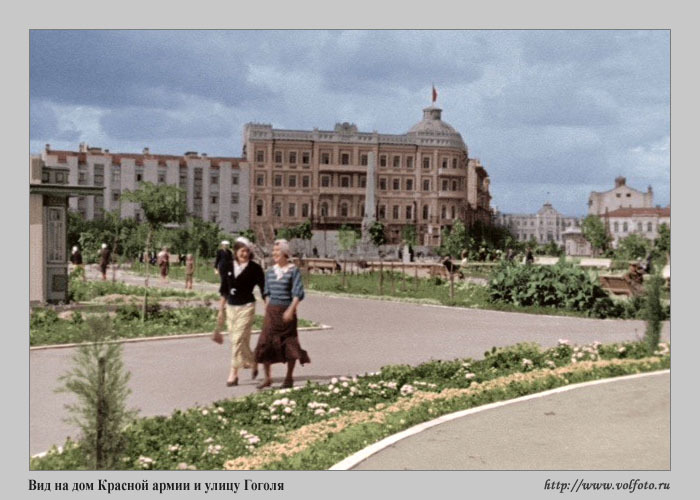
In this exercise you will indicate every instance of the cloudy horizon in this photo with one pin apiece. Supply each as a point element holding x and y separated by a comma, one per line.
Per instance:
<point>552,115</point>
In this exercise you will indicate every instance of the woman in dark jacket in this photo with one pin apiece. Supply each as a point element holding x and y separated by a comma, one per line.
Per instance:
<point>278,341</point>
<point>244,276</point>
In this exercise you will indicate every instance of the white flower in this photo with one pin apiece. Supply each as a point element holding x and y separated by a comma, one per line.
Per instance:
<point>333,410</point>
<point>622,349</point>
<point>526,363</point>
<point>253,439</point>
<point>551,363</point>
<point>274,417</point>
<point>469,376</point>
<point>205,412</point>
<point>563,342</point>
<point>334,380</point>
<point>336,390</point>
<point>344,384</point>
<point>146,462</point>
<point>407,389</point>
<point>320,411</point>
<point>209,440</point>
<point>579,355</point>
<point>174,447</point>
<point>288,410</point>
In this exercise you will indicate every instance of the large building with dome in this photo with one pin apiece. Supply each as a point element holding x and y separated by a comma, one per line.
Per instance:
<point>424,178</point>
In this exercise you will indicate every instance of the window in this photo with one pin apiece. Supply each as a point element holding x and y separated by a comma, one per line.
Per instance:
<point>639,227</point>
<point>454,185</point>
<point>161,178</point>
<point>306,181</point>
<point>445,184</point>
<point>292,181</point>
<point>115,195</point>
<point>624,227</point>
<point>277,209</point>
<point>44,175</point>
<point>409,212</point>
<point>260,179</point>
<point>214,179</point>
<point>345,159</point>
<point>443,212</point>
<point>214,200</point>
<point>395,212</point>
<point>628,195</point>
<point>618,195</point>
<point>234,180</point>
<point>292,209</point>
<point>60,178</point>
<point>649,227</point>
<point>409,184</point>
<point>363,160</point>
<point>444,163</point>
<point>278,181</point>
<point>396,161</point>
<point>259,208</point>
<point>116,175</point>
<point>426,163</point>
<point>409,162</point>
<point>382,183</point>
<point>425,212</point>
<point>325,181</point>
<point>453,212</point>
<point>212,217</point>
<point>344,209</point>
<point>396,184</point>
<point>454,162</point>
<point>426,184</point>
<point>234,217</point>
<point>234,198</point>
<point>82,178</point>
<point>325,158</point>
<point>260,156</point>
<point>381,213</point>
<point>139,175</point>
<point>278,156</point>
<point>305,157</point>
<point>293,157</point>
<point>304,209</point>
<point>382,160</point>
<point>345,181</point>
<point>324,209</point>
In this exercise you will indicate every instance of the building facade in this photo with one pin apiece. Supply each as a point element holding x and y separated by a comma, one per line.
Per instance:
<point>645,222</point>
<point>217,188</point>
<point>621,196</point>
<point>545,226</point>
<point>423,178</point>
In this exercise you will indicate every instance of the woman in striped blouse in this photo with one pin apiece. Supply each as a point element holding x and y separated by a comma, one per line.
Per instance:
<point>279,342</point>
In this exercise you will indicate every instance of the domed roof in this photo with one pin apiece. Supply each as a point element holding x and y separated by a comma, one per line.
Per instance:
<point>432,125</point>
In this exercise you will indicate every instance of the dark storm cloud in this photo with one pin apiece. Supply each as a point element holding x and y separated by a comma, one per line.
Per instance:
<point>118,68</point>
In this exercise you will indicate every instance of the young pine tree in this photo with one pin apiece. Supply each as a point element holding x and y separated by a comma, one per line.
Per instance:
<point>653,312</point>
<point>100,383</point>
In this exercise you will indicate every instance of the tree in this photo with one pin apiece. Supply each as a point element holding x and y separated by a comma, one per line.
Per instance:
<point>161,204</point>
<point>376,234</point>
<point>248,233</point>
<point>653,312</point>
<point>347,239</point>
<point>633,247</point>
<point>662,243</point>
<point>593,230</point>
<point>454,240</point>
<point>100,383</point>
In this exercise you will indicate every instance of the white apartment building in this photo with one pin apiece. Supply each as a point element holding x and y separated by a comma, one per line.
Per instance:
<point>642,221</point>
<point>217,188</point>
<point>544,226</point>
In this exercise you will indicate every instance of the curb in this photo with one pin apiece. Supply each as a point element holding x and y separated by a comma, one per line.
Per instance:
<point>362,455</point>
<point>165,337</point>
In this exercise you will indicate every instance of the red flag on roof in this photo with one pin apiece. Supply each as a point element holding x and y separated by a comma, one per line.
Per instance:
<point>434,94</point>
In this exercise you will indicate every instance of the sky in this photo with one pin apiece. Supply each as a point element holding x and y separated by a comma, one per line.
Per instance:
<point>552,115</point>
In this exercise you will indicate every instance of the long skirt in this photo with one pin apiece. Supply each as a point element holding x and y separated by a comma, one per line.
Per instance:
<point>278,342</point>
<point>239,320</point>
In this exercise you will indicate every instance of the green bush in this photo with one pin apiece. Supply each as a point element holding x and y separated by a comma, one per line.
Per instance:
<point>562,285</point>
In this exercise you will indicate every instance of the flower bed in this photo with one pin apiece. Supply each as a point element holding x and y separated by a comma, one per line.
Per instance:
<point>317,425</point>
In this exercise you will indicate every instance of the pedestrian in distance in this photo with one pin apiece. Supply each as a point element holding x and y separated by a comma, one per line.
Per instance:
<point>164,264</point>
<point>189,271</point>
<point>105,256</point>
<point>223,264</point>
<point>279,341</point>
<point>240,308</point>
<point>76,258</point>
<point>529,258</point>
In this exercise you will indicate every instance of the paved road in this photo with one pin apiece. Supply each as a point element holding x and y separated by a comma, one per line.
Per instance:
<point>366,335</point>
<point>628,428</point>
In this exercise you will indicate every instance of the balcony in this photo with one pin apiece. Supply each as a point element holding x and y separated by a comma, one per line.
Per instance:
<point>334,167</point>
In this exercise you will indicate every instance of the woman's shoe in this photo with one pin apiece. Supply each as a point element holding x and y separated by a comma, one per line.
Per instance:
<point>264,383</point>
<point>254,375</point>
<point>231,383</point>
<point>288,383</point>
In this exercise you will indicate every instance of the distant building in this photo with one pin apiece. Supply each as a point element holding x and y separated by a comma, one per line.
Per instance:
<point>49,194</point>
<point>575,244</point>
<point>216,188</point>
<point>547,225</point>
<point>642,221</point>
<point>424,178</point>
<point>621,196</point>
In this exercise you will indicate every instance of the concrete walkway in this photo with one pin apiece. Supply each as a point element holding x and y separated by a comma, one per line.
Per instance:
<point>620,424</point>
<point>177,373</point>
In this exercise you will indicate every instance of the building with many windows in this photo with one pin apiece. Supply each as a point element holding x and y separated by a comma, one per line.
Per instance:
<point>423,178</point>
<point>645,222</point>
<point>544,226</point>
<point>216,187</point>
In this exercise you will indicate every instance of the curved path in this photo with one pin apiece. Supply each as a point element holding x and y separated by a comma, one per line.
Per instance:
<point>366,335</point>
<point>628,428</point>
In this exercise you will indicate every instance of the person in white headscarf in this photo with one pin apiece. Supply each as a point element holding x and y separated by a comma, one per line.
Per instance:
<point>76,258</point>
<point>278,341</point>
<point>105,256</point>
<point>240,309</point>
